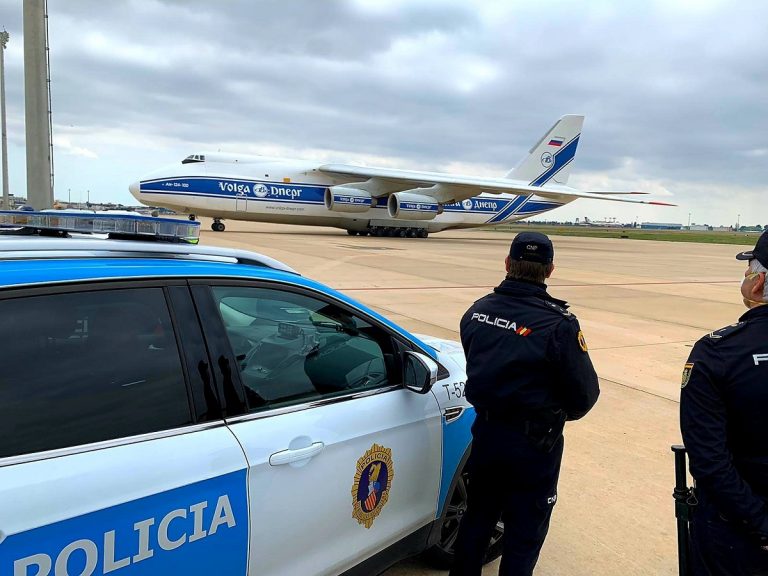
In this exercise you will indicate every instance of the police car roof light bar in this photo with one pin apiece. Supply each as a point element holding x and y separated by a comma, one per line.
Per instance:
<point>114,225</point>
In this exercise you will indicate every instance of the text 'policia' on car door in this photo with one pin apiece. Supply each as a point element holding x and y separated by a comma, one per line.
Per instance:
<point>99,408</point>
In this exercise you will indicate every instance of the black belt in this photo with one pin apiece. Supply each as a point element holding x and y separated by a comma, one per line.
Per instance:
<point>543,434</point>
<point>514,421</point>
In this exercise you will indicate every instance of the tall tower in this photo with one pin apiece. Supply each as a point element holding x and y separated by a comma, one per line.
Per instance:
<point>36,102</point>
<point>4,142</point>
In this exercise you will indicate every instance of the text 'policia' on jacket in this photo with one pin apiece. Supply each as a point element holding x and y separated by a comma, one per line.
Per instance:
<point>522,333</point>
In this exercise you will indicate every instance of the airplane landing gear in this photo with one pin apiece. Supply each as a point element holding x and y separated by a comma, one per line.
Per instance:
<point>218,225</point>
<point>396,231</point>
<point>192,217</point>
<point>352,232</point>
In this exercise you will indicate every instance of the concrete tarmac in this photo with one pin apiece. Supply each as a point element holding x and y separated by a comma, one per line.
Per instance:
<point>641,305</point>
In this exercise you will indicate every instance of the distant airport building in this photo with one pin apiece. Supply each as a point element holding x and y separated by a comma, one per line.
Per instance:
<point>699,227</point>
<point>660,226</point>
<point>19,201</point>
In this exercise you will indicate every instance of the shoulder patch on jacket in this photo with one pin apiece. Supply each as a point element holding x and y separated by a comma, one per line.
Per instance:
<point>563,311</point>
<point>725,332</point>
<point>687,369</point>
<point>582,341</point>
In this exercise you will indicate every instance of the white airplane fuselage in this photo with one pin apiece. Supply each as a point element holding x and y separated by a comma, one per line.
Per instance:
<point>293,192</point>
<point>370,200</point>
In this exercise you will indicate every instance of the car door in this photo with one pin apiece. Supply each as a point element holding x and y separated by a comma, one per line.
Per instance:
<point>113,453</point>
<point>343,460</point>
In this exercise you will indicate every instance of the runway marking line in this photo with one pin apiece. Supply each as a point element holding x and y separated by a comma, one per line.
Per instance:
<point>377,288</point>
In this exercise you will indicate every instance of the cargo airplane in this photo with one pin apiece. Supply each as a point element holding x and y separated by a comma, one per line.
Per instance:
<point>375,201</point>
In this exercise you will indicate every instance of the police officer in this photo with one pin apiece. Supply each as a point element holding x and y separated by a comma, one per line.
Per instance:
<point>724,422</point>
<point>528,371</point>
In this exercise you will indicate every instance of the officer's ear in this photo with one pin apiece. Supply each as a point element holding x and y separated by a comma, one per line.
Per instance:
<point>550,269</point>
<point>758,286</point>
<point>506,263</point>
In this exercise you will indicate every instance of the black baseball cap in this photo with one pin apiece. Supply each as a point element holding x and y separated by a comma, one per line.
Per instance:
<point>759,252</point>
<point>532,247</point>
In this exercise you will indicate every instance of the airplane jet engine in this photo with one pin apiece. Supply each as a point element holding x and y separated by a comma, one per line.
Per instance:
<point>409,206</point>
<point>345,199</point>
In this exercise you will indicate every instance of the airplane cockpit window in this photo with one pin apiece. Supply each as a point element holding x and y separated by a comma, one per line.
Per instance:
<point>194,158</point>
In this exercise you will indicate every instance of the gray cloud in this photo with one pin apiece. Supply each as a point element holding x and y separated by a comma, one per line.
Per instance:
<point>674,92</point>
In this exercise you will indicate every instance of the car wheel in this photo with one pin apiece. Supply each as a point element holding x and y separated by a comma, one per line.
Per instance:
<point>441,554</point>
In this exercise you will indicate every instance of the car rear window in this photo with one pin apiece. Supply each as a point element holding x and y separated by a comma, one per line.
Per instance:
<point>84,367</point>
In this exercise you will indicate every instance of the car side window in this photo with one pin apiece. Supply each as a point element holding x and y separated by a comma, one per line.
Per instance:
<point>87,366</point>
<point>291,348</point>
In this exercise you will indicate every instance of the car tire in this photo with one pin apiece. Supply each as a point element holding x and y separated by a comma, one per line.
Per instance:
<point>441,554</point>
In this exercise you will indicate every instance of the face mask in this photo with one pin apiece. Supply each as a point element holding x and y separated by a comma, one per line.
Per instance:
<point>747,302</point>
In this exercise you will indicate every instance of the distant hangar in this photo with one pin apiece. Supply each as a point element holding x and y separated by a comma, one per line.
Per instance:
<point>660,226</point>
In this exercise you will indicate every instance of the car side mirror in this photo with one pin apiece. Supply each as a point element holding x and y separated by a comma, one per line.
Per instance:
<point>419,372</point>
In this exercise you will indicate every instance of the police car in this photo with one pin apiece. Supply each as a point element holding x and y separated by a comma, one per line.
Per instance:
<point>169,408</point>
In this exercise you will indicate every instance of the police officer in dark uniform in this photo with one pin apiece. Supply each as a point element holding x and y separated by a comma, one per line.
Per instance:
<point>724,422</point>
<point>528,371</point>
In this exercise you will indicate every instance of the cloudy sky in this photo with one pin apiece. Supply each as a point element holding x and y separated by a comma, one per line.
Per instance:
<point>675,92</point>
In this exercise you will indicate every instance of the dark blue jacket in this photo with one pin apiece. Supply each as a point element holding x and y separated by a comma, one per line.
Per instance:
<point>724,418</point>
<point>526,355</point>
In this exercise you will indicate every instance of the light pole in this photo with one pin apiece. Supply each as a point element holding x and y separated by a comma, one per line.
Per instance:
<point>738,220</point>
<point>37,105</point>
<point>689,220</point>
<point>4,36</point>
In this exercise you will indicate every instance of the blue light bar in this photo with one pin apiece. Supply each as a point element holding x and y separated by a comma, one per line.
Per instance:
<point>115,225</point>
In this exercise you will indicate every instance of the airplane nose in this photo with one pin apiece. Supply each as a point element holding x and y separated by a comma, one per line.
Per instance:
<point>134,189</point>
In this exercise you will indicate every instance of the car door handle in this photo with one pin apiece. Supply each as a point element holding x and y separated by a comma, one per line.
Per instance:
<point>288,456</point>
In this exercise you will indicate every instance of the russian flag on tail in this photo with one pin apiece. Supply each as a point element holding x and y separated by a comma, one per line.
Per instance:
<point>556,142</point>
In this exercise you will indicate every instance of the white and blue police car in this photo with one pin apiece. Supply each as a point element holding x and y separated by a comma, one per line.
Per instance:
<point>169,408</point>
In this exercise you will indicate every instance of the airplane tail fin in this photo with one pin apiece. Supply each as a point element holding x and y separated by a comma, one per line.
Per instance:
<point>550,159</point>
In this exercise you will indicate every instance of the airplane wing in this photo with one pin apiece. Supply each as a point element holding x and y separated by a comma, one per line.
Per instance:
<point>454,188</point>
